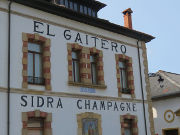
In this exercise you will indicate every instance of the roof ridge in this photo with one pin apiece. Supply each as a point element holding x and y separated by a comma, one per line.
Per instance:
<point>169,79</point>
<point>168,72</point>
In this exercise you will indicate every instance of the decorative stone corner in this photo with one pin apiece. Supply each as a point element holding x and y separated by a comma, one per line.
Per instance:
<point>145,62</point>
<point>88,115</point>
<point>134,123</point>
<point>45,42</point>
<point>37,114</point>
<point>130,75</point>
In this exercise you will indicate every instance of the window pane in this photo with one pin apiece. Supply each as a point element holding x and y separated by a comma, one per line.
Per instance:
<point>34,47</point>
<point>93,73</point>
<point>93,13</point>
<point>75,6</point>
<point>85,9</point>
<point>89,11</point>
<point>30,64</point>
<point>77,72</point>
<point>81,8</point>
<point>71,4</point>
<point>38,65</point>
<point>74,55</point>
<point>127,131</point>
<point>124,79</point>
<point>62,2</point>
<point>92,59</point>
<point>122,64</point>
<point>66,3</point>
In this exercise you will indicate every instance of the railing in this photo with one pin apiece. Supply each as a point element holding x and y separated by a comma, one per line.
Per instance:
<point>36,80</point>
<point>126,91</point>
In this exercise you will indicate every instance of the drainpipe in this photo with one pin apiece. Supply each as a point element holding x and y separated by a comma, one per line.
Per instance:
<point>144,111</point>
<point>9,61</point>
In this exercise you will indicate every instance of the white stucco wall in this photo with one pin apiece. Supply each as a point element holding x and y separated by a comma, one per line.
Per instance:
<point>66,116</point>
<point>22,21</point>
<point>162,106</point>
<point>59,53</point>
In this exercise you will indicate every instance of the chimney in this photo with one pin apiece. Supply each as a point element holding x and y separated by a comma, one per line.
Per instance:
<point>127,18</point>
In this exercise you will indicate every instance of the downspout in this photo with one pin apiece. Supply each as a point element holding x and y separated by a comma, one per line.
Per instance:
<point>9,62</point>
<point>139,59</point>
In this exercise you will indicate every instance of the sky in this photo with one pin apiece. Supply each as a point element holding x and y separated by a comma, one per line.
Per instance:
<point>159,18</point>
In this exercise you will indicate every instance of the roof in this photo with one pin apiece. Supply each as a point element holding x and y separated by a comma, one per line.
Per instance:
<point>164,85</point>
<point>49,7</point>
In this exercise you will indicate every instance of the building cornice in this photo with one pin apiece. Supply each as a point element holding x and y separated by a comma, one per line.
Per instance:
<point>70,14</point>
<point>166,96</point>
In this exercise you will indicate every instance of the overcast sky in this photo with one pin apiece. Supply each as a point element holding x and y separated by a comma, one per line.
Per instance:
<point>159,18</point>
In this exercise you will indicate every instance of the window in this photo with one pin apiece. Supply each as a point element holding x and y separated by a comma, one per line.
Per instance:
<point>89,123</point>
<point>35,74</point>
<point>85,66</point>
<point>75,66</point>
<point>82,8</point>
<point>36,60</point>
<point>35,126</point>
<point>123,77</point>
<point>129,124</point>
<point>128,127</point>
<point>36,123</point>
<point>171,131</point>
<point>124,74</point>
<point>93,60</point>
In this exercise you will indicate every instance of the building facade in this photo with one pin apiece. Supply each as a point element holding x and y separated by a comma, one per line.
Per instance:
<point>165,89</point>
<point>65,71</point>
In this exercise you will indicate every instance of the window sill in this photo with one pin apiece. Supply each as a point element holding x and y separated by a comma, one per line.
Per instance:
<point>86,85</point>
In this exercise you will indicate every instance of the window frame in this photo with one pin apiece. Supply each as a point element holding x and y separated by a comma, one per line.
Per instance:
<point>46,55</point>
<point>95,82</point>
<point>134,123</point>
<point>85,66</point>
<point>124,90</point>
<point>41,64</point>
<point>130,76</point>
<point>88,115</point>
<point>37,114</point>
<point>76,60</point>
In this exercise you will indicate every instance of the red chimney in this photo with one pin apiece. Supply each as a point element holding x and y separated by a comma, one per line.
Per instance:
<point>127,18</point>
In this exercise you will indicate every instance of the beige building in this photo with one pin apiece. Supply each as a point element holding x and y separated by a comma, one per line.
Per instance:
<point>165,90</point>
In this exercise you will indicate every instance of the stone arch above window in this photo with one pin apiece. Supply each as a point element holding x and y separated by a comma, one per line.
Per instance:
<point>128,75</point>
<point>46,65</point>
<point>47,119</point>
<point>89,121</point>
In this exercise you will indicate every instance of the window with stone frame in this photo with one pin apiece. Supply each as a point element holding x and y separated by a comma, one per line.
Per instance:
<point>124,74</point>
<point>93,62</point>
<point>36,123</point>
<point>35,73</point>
<point>123,77</point>
<point>76,66</point>
<point>129,124</point>
<point>35,126</point>
<point>36,60</point>
<point>89,123</point>
<point>85,66</point>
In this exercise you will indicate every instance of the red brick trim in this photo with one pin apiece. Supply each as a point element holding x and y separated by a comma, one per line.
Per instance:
<point>85,69</point>
<point>37,114</point>
<point>45,42</point>
<point>134,123</point>
<point>130,76</point>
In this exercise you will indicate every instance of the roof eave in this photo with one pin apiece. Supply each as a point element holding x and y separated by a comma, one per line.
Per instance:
<point>67,13</point>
